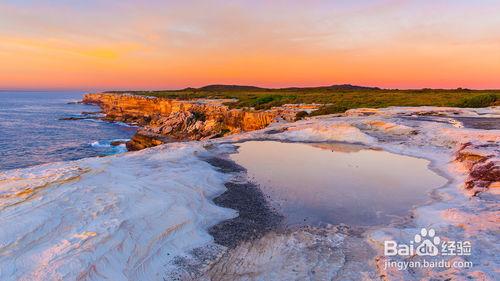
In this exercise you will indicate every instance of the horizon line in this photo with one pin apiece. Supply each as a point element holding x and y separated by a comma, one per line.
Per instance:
<point>109,89</point>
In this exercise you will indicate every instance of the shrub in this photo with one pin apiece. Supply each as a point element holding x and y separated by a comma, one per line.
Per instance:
<point>264,99</point>
<point>330,109</point>
<point>484,100</point>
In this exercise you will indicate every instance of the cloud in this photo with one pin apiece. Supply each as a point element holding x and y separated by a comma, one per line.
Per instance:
<point>181,43</point>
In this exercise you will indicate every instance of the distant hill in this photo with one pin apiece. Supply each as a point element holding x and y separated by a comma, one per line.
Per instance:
<point>340,87</point>
<point>335,98</point>
<point>243,88</point>
<point>232,88</point>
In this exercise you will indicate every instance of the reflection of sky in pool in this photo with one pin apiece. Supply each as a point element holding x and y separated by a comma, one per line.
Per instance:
<point>337,183</point>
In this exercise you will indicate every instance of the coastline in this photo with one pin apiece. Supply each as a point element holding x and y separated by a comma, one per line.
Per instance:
<point>42,127</point>
<point>444,211</point>
<point>249,140</point>
<point>128,201</point>
<point>165,120</point>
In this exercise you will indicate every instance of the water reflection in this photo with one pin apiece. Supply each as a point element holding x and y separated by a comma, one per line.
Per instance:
<point>337,183</point>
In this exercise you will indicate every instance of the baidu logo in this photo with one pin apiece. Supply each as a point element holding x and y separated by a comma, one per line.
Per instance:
<point>427,243</point>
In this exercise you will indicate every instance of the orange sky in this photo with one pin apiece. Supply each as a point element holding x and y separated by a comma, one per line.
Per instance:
<point>174,44</point>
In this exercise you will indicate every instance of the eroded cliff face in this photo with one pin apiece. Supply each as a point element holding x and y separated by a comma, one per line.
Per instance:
<point>165,120</point>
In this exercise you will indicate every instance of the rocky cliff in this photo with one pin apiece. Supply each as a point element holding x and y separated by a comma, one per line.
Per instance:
<point>163,120</point>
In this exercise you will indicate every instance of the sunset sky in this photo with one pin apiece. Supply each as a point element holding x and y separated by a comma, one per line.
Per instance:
<point>153,44</point>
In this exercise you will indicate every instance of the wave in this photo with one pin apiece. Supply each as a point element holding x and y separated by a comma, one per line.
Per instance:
<point>114,146</point>
<point>84,116</point>
<point>125,124</point>
<point>95,120</point>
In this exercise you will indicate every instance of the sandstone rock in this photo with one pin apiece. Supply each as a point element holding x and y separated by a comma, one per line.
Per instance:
<point>143,139</point>
<point>117,143</point>
<point>483,170</point>
<point>177,119</point>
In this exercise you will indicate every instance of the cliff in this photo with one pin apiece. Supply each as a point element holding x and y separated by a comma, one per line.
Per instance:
<point>165,120</point>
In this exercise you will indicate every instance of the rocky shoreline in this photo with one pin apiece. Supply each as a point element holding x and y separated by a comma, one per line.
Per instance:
<point>352,252</point>
<point>165,120</point>
<point>466,205</point>
<point>150,214</point>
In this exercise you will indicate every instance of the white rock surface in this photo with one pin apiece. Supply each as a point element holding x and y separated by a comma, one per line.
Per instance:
<point>111,218</point>
<point>127,217</point>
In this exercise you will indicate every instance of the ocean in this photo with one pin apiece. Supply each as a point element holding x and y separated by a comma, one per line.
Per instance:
<point>32,132</point>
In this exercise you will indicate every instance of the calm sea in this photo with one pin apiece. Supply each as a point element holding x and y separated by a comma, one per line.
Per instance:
<point>32,133</point>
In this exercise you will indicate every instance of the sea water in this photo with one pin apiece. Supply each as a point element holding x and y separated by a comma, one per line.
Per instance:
<point>32,132</point>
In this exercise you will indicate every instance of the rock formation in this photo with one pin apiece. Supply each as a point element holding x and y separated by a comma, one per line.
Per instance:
<point>483,168</point>
<point>165,120</point>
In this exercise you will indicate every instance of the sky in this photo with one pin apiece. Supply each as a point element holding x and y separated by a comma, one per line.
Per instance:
<point>153,44</point>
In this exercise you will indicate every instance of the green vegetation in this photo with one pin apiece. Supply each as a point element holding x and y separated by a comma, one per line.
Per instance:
<point>482,100</point>
<point>337,98</point>
<point>333,108</point>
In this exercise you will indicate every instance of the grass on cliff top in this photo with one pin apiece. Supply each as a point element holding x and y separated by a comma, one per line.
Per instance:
<point>335,98</point>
